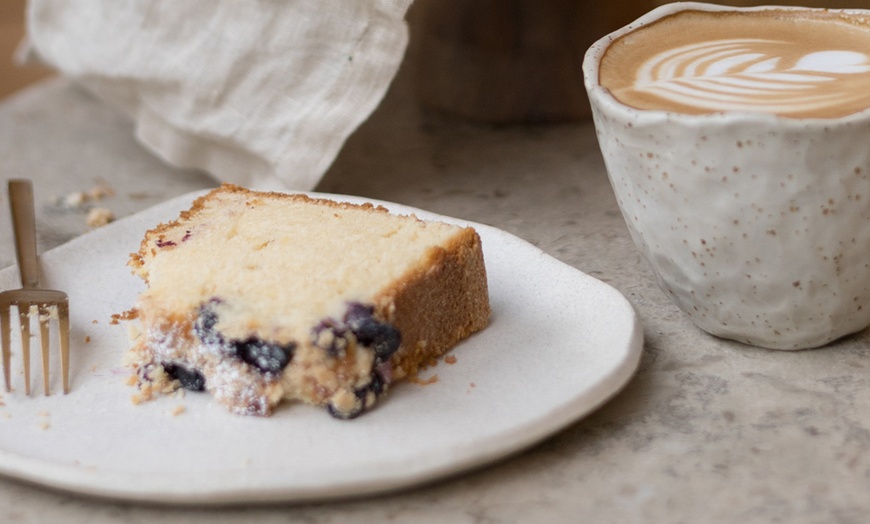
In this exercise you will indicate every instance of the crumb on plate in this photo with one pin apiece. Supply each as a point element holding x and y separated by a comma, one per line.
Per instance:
<point>424,381</point>
<point>99,216</point>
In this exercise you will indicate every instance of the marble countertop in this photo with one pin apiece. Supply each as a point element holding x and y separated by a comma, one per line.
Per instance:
<point>707,431</point>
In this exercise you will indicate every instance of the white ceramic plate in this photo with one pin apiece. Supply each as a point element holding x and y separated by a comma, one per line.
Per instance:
<point>559,345</point>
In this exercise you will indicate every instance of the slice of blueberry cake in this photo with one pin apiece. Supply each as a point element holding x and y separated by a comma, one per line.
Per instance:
<point>261,297</point>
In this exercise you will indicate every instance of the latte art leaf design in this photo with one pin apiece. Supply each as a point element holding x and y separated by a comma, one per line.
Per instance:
<point>755,74</point>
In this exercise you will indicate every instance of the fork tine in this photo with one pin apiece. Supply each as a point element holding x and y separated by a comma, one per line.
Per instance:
<point>4,343</point>
<point>24,323</point>
<point>48,304</point>
<point>44,318</point>
<point>63,325</point>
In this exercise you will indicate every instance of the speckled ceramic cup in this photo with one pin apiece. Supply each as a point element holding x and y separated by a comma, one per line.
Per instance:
<point>757,225</point>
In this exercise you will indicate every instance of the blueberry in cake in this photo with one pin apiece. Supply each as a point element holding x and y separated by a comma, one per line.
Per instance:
<point>261,297</point>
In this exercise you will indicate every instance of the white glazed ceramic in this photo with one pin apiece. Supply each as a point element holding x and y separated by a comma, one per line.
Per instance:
<point>559,345</point>
<point>757,226</point>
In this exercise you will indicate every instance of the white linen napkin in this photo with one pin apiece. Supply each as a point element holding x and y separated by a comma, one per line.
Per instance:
<point>259,93</point>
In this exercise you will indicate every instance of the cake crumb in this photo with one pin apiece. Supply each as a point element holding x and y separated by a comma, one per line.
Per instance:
<point>73,200</point>
<point>424,382</point>
<point>146,392</point>
<point>95,321</point>
<point>450,359</point>
<point>179,409</point>
<point>99,216</point>
<point>44,424</point>
<point>78,199</point>
<point>126,315</point>
<point>152,382</point>
<point>87,338</point>
<point>99,192</point>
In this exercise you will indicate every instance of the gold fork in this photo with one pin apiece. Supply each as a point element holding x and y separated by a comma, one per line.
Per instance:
<point>47,304</point>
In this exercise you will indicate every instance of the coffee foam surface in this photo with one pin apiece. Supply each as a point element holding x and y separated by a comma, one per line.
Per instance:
<point>801,63</point>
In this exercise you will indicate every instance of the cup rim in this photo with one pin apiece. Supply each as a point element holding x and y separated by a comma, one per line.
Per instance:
<point>601,96</point>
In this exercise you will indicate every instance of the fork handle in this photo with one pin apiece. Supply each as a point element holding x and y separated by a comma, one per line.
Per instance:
<point>24,226</point>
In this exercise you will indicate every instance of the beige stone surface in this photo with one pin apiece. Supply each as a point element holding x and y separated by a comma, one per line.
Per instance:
<point>707,431</point>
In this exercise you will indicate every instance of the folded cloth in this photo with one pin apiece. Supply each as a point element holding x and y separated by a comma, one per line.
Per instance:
<point>259,93</point>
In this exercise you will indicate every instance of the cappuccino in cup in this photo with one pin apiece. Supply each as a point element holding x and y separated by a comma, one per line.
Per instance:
<point>801,64</point>
<point>737,143</point>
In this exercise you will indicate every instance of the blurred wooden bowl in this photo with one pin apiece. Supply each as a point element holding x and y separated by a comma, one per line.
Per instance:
<point>510,61</point>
